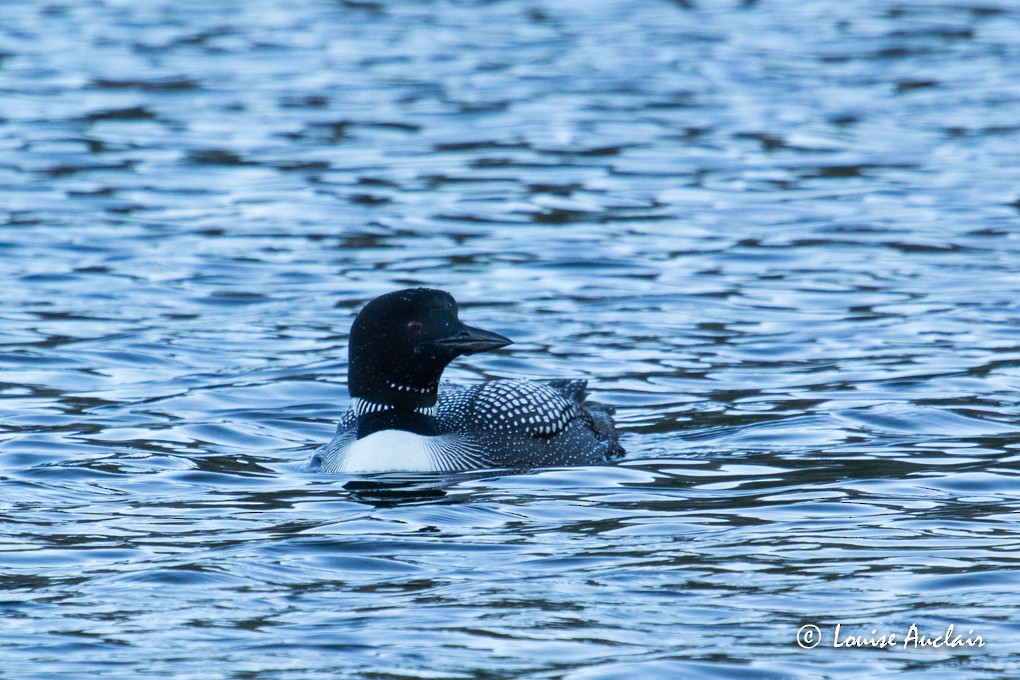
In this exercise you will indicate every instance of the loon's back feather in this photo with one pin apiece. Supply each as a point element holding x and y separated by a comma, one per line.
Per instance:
<point>518,407</point>
<point>574,390</point>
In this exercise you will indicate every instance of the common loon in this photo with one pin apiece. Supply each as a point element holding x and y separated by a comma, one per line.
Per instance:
<point>401,419</point>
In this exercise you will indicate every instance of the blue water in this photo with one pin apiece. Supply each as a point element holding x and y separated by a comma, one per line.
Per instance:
<point>781,237</point>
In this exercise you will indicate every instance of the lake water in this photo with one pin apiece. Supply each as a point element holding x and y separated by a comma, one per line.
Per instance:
<point>781,237</point>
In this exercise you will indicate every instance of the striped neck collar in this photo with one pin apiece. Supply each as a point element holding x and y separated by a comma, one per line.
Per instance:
<point>364,407</point>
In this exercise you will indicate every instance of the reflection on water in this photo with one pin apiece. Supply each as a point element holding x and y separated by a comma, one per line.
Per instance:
<point>779,237</point>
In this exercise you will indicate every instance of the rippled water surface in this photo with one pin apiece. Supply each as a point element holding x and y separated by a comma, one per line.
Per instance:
<point>780,237</point>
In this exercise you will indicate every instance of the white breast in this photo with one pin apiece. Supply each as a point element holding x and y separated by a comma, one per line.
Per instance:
<point>391,451</point>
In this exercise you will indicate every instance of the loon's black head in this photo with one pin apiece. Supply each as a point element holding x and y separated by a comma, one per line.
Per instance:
<point>401,342</point>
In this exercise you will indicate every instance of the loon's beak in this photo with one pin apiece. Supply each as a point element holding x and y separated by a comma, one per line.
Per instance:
<point>472,340</point>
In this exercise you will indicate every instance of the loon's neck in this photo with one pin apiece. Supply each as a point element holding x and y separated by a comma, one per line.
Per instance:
<point>409,421</point>
<point>376,416</point>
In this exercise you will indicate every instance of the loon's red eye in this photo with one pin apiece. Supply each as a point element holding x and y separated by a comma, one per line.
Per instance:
<point>414,326</point>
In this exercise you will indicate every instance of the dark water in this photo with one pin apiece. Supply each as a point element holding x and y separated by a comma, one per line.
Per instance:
<point>781,237</point>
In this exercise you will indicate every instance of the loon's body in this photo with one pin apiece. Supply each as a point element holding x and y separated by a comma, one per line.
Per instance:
<point>504,423</point>
<point>401,420</point>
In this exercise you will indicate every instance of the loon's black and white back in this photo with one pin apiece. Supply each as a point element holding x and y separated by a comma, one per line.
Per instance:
<point>402,420</point>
